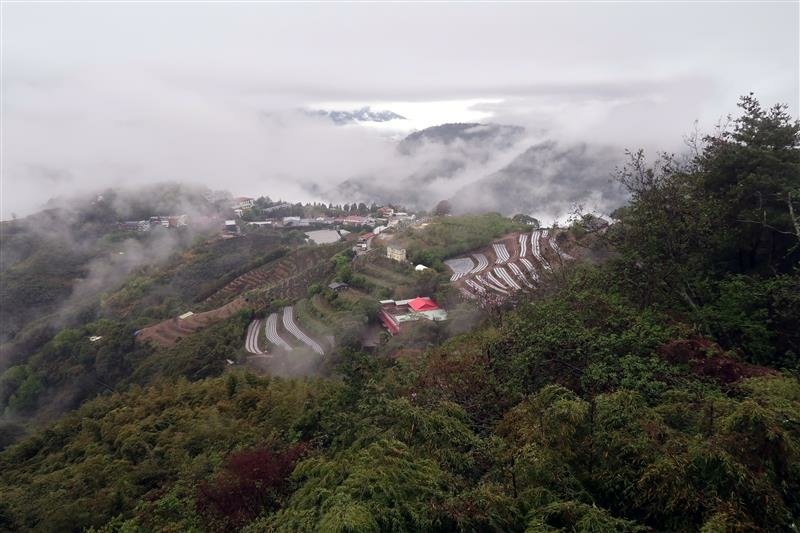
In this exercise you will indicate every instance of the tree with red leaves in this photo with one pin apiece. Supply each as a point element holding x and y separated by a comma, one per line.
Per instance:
<point>252,481</point>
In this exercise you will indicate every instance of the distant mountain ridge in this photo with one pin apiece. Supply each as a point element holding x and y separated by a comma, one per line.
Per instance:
<point>496,135</point>
<point>365,114</point>
<point>435,154</point>
<point>548,175</point>
<point>493,167</point>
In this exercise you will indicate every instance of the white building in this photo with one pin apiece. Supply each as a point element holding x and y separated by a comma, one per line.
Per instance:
<point>398,254</point>
<point>243,202</point>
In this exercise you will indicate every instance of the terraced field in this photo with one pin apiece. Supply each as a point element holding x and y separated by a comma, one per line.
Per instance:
<point>273,273</point>
<point>286,278</point>
<point>516,265</point>
<point>536,248</point>
<point>170,331</point>
<point>460,267</point>
<point>251,339</point>
<point>273,335</point>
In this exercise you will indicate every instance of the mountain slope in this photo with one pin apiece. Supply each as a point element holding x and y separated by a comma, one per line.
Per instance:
<point>546,178</point>
<point>487,136</point>
<point>429,160</point>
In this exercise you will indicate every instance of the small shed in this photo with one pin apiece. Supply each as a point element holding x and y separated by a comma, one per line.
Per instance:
<point>338,286</point>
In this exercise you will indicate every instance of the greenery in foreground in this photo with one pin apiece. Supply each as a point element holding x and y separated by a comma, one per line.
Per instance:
<point>658,391</point>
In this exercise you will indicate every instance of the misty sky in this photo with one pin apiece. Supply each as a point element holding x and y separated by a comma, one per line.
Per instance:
<point>97,95</point>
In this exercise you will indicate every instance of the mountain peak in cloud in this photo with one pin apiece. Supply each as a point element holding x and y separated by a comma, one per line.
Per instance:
<point>497,135</point>
<point>364,114</point>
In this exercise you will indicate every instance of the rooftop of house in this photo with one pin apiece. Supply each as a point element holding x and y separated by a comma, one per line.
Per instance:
<point>421,303</point>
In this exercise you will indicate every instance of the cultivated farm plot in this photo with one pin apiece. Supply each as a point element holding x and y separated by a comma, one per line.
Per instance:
<point>536,248</point>
<point>501,252</point>
<point>530,268</point>
<point>523,245</point>
<point>491,285</point>
<point>491,278</point>
<point>483,263</point>
<point>503,274</point>
<point>460,266</point>
<point>520,275</point>
<point>272,333</point>
<point>251,339</point>
<point>517,263</point>
<point>170,331</point>
<point>291,327</point>
<point>474,286</point>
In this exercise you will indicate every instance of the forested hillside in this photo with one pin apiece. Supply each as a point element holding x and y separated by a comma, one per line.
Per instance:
<point>655,391</point>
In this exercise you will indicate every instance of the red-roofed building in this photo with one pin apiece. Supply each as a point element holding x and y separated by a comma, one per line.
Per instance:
<point>394,313</point>
<point>422,304</point>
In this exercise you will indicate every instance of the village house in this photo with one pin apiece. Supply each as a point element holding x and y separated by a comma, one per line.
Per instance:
<point>169,221</point>
<point>281,205</point>
<point>231,227</point>
<point>398,254</point>
<point>356,220</point>
<point>338,286</point>
<point>134,225</point>
<point>296,222</point>
<point>394,313</point>
<point>166,221</point>
<point>243,202</point>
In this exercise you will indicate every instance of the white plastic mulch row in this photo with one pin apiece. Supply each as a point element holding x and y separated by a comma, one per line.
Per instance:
<point>536,248</point>
<point>503,273</point>
<point>477,288</point>
<point>483,263</point>
<point>527,264</point>
<point>272,333</point>
<point>523,245</point>
<point>501,252</point>
<point>520,275</point>
<point>460,266</point>
<point>251,341</point>
<point>492,279</point>
<point>291,327</point>
<point>497,287</point>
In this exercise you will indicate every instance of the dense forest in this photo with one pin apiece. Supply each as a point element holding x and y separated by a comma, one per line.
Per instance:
<point>656,390</point>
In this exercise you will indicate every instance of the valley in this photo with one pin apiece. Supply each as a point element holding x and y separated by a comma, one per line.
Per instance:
<point>177,359</point>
